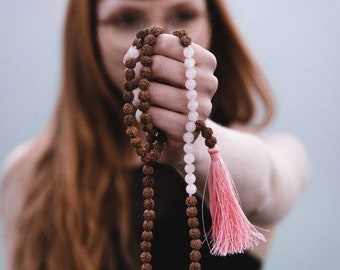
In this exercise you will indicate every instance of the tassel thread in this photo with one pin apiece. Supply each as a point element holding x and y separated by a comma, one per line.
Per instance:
<point>231,231</point>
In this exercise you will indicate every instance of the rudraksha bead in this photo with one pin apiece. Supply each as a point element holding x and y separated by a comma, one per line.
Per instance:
<point>128,96</point>
<point>194,233</point>
<point>144,106</point>
<point>145,72</point>
<point>147,235</point>
<point>130,63</point>
<point>145,257</point>
<point>195,256</point>
<point>145,246</point>
<point>191,201</point>
<point>132,131</point>
<point>144,96</point>
<point>149,204</point>
<point>196,244</point>
<point>148,181</point>
<point>193,222</point>
<point>129,120</point>
<point>148,192</point>
<point>148,225</point>
<point>211,142</point>
<point>146,50</point>
<point>195,266</point>
<point>207,132</point>
<point>144,84</point>
<point>136,142</point>
<point>128,108</point>
<point>148,170</point>
<point>138,43</point>
<point>146,266</point>
<point>130,85</point>
<point>191,211</point>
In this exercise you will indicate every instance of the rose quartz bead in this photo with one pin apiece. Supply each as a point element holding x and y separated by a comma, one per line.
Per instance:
<point>192,94</point>
<point>190,73</point>
<point>190,126</point>
<point>188,148</point>
<point>189,62</point>
<point>188,52</point>
<point>190,84</point>
<point>189,158</point>
<point>191,189</point>
<point>190,178</point>
<point>193,116</point>
<point>192,105</point>
<point>189,168</point>
<point>188,137</point>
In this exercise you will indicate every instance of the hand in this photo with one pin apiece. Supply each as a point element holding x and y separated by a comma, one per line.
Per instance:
<point>168,94</point>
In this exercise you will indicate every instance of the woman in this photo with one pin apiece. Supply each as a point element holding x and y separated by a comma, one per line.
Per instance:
<point>71,196</point>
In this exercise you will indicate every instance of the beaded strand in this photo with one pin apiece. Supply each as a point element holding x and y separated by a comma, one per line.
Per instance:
<point>150,151</point>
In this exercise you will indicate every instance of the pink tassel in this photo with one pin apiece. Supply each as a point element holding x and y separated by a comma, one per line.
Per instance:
<point>231,231</point>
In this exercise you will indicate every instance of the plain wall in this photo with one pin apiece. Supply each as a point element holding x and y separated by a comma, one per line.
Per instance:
<point>296,43</point>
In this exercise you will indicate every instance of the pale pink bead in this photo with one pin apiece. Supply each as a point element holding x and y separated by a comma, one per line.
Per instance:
<point>191,189</point>
<point>190,73</point>
<point>188,148</point>
<point>189,158</point>
<point>190,126</point>
<point>190,178</point>
<point>137,115</point>
<point>193,116</point>
<point>133,52</point>
<point>189,168</point>
<point>188,52</point>
<point>192,94</point>
<point>136,100</point>
<point>190,84</point>
<point>188,137</point>
<point>192,105</point>
<point>189,62</point>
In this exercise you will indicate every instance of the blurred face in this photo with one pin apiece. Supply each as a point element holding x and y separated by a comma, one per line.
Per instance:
<point>120,20</point>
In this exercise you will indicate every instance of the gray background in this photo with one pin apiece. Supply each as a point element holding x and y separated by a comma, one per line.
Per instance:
<point>295,41</point>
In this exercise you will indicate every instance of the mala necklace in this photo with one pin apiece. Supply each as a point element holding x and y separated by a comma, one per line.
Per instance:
<point>231,231</point>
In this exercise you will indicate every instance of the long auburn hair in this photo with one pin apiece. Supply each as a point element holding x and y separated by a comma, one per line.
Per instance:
<point>76,212</point>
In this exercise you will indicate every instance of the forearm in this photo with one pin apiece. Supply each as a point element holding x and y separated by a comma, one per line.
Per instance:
<point>266,191</point>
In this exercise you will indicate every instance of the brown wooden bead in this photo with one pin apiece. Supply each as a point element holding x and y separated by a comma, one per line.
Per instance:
<point>195,256</point>
<point>132,131</point>
<point>144,84</point>
<point>138,43</point>
<point>148,192</point>
<point>148,181</point>
<point>130,85</point>
<point>129,74</point>
<point>196,244</point>
<point>146,61</point>
<point>191,211</point>
<point>128,108</point>
<point>144,96</point>
<point>141,34</point>
<point>128,96</point>
<point>195,266</point>
<point>145,72</point>
<point>211,142</point>
<point>147,235</point>
<point>207,132</point>
<point>145,246</point>
<point>148,226</point>
<point>141,151</point>
<point>194,233</point>
<point>144,106</point>
<point>148,170</point>
<point>149,215</point>
<point>200,125</point>
<point>156,30</point>
<point>185,41</point>
<point>150,39</point>
<point>147,158</point>
<point>145,257</point>
<point>130,63</point>
<point>146,266</point>
<point>145,118</point>
<point>136,142</point>
<point>146,50</point>
<point>149,204</point>
<point>191,201</point>
<point>129,120</point>
<point>193,222</point>
<point>156,154</point>
<point>180,33</point>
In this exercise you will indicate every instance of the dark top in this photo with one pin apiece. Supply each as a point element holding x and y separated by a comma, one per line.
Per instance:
<point>171,242</point>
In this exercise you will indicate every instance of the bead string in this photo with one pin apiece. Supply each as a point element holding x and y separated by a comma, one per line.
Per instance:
<point>150,152</point>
